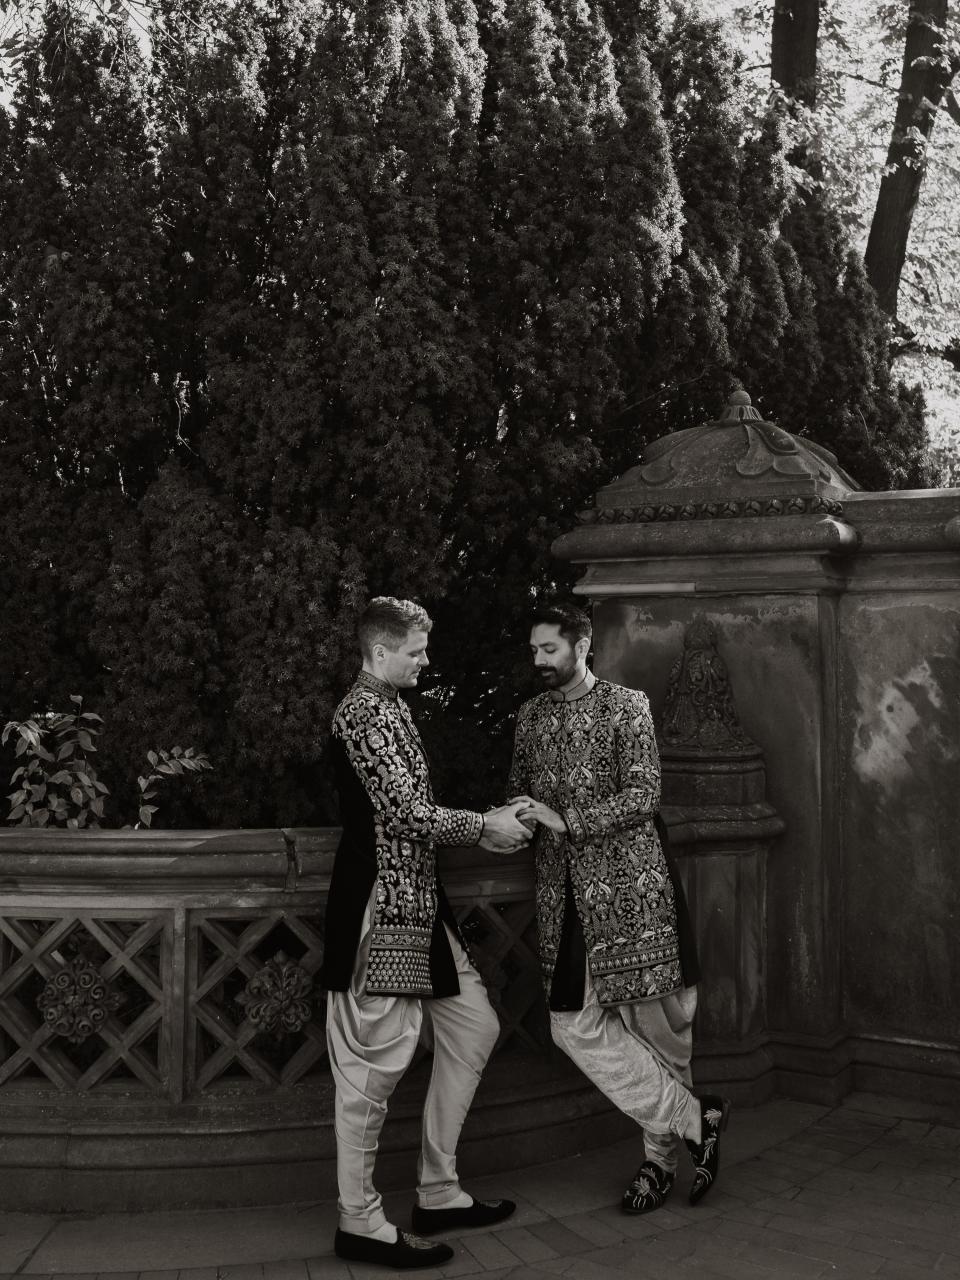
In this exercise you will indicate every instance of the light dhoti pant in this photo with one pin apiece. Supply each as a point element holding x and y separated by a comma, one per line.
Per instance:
<point>638,1055</point>
<point>371,1041</point>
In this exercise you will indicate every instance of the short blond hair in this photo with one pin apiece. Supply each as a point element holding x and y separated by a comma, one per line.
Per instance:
<point>388,621</point>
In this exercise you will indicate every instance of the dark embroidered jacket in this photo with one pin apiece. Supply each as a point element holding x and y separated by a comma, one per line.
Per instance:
<point>594,760</point>
<point>391,826</point>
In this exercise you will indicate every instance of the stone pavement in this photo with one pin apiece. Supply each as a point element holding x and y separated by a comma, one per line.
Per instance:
<point>867,1189</point>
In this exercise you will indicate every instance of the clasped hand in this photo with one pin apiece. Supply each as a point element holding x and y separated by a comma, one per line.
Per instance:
<point>509,828</point>
<point>530,809</point>
<point>502,830</point>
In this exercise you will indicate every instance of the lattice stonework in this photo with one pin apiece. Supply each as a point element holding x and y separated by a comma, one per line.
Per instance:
<point>256,1010</point>
<point>176,1001</point>
<point>81,997</point>
<point>502,938</point>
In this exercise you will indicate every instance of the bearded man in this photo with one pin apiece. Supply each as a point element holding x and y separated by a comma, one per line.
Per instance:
<point>394,962</point>
<point>615,944</point>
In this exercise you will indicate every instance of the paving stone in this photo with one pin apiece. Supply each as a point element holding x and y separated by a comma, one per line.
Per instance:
<point>198,1273</point>
<point>891,1248</point>
<point>588,1269</point>
<point>807,1245</point>
<point>293,1270</point>
<point>814,1151</point>
<point>462,1264</point>
<point>942,1136</point>
<point>237,1271</point>
<point>526,1246</point>
<point>729,1268</point>
<point>782,1262</point>
<point>593,1228</point>
<point>490,1252</point>
<point>900,1270</point>
<point>809,1225</point>
<point>912,1130</point>
<point>560,1238</point>
<point>631,1226</point>
<point>327,1268</point>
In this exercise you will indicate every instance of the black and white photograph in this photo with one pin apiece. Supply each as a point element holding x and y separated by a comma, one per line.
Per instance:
<point>480,639</point>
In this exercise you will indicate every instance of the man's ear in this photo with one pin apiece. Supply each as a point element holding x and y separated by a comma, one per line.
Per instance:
<point>583,647</point>
<point>379,652</point>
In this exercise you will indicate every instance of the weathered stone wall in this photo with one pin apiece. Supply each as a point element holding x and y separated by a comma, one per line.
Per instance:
<point>899,749</point>
<point>837,616</point>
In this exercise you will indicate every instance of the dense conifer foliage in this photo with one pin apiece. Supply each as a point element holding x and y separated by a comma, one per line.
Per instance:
<point>301,303</point>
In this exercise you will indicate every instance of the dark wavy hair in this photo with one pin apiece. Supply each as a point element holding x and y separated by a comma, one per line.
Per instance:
<point>574,624</point>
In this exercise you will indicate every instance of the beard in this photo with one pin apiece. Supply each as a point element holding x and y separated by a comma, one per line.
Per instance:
<point>554,677</point>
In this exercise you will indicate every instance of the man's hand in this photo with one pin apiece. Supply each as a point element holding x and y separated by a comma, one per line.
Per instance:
<point>502,832</point>
<point>533,810</point>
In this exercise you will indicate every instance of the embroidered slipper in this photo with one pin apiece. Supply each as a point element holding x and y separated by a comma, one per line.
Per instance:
<point>482,1213</point>
<point>648,1190</point>
<point>714,1114</point>
<point>406,1252</point>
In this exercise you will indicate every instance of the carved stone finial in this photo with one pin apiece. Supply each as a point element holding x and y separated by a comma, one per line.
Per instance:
<point>699,713</point>
<point>739,409</point>
<point>77,1000</point>
<point>278,997</point>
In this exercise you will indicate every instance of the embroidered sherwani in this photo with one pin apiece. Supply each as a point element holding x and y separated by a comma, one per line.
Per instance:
<point>391,827</point>
<point>391,942</point>
<point>594,761</point>
<point>607,906</point>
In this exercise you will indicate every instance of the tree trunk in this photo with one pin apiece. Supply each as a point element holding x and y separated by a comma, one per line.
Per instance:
<point>925,76</point>
<point>796,26</point>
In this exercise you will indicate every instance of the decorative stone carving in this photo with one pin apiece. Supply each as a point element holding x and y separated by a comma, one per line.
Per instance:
<point>747,508</point>
<point>77,1000</point>
<point>735,467</point>
<point>279,997</point>
<point>699,713</point>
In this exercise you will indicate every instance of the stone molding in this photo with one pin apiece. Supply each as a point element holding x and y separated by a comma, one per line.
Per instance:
<point>724,509</point>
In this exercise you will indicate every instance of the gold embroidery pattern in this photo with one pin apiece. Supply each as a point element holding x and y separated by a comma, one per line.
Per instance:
<point>384,749</point>
<point>595,761</point>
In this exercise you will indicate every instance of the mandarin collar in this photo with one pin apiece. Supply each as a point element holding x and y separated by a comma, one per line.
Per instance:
<point>385,690</point>
<point>580,690</point>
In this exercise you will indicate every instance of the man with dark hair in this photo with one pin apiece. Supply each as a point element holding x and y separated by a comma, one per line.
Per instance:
<point>394,963</point>
<point>618,959</point>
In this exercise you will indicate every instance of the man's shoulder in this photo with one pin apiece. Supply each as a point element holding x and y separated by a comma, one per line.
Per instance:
<point>534,706</point>
<point>359,703</point>
<point>621,694</point>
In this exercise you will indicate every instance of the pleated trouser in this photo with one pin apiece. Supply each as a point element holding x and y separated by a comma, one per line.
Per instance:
<point>371,1041</point>
<point>638,1055</point>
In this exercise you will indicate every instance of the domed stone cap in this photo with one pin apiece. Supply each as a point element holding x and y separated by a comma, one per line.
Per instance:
<point>737,465</point>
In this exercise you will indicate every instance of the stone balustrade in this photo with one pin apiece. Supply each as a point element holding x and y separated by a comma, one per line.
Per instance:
<point>161,1031</point>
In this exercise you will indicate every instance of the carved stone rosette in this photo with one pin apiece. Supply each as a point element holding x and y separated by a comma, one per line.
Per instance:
<point>77,1000</point>
<point>279,997</point>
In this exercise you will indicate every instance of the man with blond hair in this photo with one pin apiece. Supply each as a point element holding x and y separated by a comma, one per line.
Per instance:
<point>394,962</point>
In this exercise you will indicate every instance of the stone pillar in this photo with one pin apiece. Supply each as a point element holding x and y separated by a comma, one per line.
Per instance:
<point>721,828</point>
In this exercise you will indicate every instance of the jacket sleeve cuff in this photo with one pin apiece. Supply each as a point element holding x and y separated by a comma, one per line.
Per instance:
<point>575,824</point>
<point>473,828</point>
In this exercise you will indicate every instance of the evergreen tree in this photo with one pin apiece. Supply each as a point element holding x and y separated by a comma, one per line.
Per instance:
<point>335,301</point>
<point>81,399</point>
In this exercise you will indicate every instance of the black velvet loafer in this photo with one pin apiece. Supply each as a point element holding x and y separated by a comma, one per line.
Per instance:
<point>482,1213</point>
<point>407,1251</point>
<point>714,1114</point>
<point>648,1190</point>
